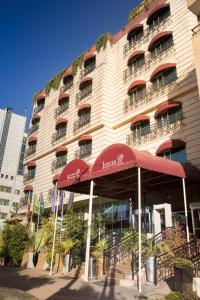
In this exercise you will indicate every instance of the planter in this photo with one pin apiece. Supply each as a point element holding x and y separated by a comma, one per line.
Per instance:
<point>41,263</point>
<point>150,267</point>
<point>183,278</point>
<point>99,267</point>
<point>67,263</point>
<point>58,267</point>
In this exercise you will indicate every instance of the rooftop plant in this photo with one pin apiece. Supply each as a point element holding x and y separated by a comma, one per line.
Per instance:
<point>78,62</point>
<point>101,41</point>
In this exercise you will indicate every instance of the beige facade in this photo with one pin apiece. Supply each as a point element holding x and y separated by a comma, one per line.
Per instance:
<point>168,74</point>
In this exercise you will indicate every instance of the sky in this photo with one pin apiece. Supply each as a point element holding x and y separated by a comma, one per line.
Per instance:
<point>38,38</point>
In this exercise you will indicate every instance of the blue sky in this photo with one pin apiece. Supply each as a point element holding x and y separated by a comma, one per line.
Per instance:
<point>40,37</point>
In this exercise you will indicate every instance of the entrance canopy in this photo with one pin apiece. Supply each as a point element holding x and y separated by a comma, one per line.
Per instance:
<point>115,173</point>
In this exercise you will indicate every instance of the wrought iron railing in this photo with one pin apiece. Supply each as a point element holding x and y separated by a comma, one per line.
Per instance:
<point>67,85</point>
<point>31,150</point>
<point>87,70</point>
<point>38,108</point>
<point>83,153</point>
<point>59,134</point>
<point>164,81</point>
<point>81,122</point>
<point>58,163</point>
<point>29,176</point>
<point>136,139</point>
<point>156,27</point>
<point>61,108</point>
<point>164,262</point>
<point>196,29</point>
<point>83,93</point>
<point>34,128</point>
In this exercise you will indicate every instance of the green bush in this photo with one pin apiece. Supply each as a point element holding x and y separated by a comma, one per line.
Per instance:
<point>173,296</point>
<point>14,241</point>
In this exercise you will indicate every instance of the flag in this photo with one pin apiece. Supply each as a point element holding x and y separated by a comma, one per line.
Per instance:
<point>41,199</point>
<point>36,206</point>
<point>53,208</point>
<point>61,198</point>
<point>29,198</point>
<point>70,199</point>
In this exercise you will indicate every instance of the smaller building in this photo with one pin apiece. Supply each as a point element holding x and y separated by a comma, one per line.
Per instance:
<point>12,147</point>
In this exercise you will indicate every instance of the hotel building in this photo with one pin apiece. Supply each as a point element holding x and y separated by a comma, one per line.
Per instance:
<point>140,90</point>
<point>12,147</point>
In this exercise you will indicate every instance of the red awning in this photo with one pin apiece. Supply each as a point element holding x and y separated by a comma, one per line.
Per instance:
<point>84,81</point>
<point>75,171</point>
<point>28,188</point>
<point>157,37</point>
<point>135,84</point>
<point>56,177</point>
<point>167,105</point>
<point>119,157</point>
<point>35,117</point>
<point>133,27</point>
<point>83,107</point>
<point>61,149</point>
<point>68,72</point>
<point>140,118</point>
<point>170,144</point>
<point>60,121</point>
<point>41,97</point>
<point>161,68</point>
<point>63,96</point>
<point>155,9</point>
<point>32,139</point>
<point>31,164</point>
<point>84,138</point>
<point>88,56</point>
<point>133,55</point>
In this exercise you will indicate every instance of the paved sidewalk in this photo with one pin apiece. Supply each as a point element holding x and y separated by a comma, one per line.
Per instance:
<point>58,287</point>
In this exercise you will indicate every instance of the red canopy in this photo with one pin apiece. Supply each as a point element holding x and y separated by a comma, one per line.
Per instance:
<point>167,105</point>
<point>32,139</point>
<point>28,188</point>
<point>68,73</point>
<point>135,84</point>
<point>155,9</point>
<point>85,137</point>
<point>88,56</point>
<point>170,144</point>
<point>62,96</point>
<point>56,177</point>
<point>35,117</point>
<point>84,106</point>
<point>83,81</point>
<point>76,171</point>
<point>31,164</point>
<point>60,121</point>
<point>140,118</point>
<point>133,27</point>
<point>41,97</point>
<point>61,149</point>
<point>157,37</point>
<point>162,68</point>
<point>133,55</point>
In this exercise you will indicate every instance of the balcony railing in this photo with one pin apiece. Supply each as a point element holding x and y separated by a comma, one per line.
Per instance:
<point>156,27</point>
<point>134,69</point>
<point>83,94</point>
<point>59,134</point>
<point>81,122</point>
<point>87,70</point>
<point>83,153</point>
<point>164,81</point>
<point>34,128</point>
<point>38,108</point>
<point>29,176</point>
<point>67,85</point>
<point>59,163</point>
<point>196,29</point>
<point>62,108</point>
<point>136,139</point>
<point>30,151</point>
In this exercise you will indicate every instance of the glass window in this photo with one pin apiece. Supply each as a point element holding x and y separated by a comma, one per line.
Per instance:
<point>5,189</point>
<point>178,154</point>
<point>170,116</point>
<point>141,128</point>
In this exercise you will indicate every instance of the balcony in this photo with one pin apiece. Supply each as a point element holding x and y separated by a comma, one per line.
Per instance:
<point>159,53</point>
<point>33,129</point>
<point>38,108</point>
<point>59,163</point>
<point>66,86</point>
<point>83,94</point>
<point>61,109</point>
<point>31,150</point>
<point>59,134</point>
<point>156,132</point>
<point>83,153</point>
<point>87,70</point>
<point>157,26</point>
<point>29,176</point>
<point>163,82</point>
<point>137,101</point>
<point>81,122</point>
<point>134,69</point>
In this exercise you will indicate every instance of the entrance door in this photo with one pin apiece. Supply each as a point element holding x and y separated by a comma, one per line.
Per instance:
<point>162,217</point>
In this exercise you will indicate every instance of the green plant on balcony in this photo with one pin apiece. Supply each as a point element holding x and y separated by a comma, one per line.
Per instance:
<point>78,62</point>
<point>101,41</point>
<point>54,83</point>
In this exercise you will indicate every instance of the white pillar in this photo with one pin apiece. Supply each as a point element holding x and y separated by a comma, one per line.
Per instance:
<point>87,254</point>
<point>186,213</point>
<point>139,231</point>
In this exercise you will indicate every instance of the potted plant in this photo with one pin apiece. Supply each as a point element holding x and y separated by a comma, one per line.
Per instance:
<point>65,248</point>
<point>183,274</point>
<point>97,252</point>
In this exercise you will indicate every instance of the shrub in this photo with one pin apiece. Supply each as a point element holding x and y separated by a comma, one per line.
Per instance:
<point>183,262</point>
<point>173,296</point>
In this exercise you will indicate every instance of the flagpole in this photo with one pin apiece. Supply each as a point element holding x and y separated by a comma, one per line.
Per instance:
<point>31,221</point>
<point>61,216</point>
<point>54,237</point>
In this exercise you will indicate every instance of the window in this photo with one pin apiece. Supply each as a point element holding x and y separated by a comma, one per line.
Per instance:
<point>85,149</point>
<point>68,82</point>
<point>21,161</point>
<point>137,94</point>
<point>135,35</point>
<point>3,215</point>
<point>89,65</point>
<point>17,192</point>
<point>2,175</point>
<point>141,128</point>
<point>162,45</point>
<point>178,154</point>
<point>4,202</point>
<point>61,160</point>
<point>12,177</point>
<point>84,117</point>
<point>158,17</point>
<point>164,78</point>
<point>137,62</point>
<point>5,189</point>
<point>170,116</point>
<point>6,176</point>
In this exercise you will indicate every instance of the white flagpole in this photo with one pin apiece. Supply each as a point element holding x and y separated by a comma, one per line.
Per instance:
<point>186,213</point>
<point>87,254</point>
<point>54,237</point>
<point>139,231</point>
<point>61,215</point>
